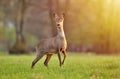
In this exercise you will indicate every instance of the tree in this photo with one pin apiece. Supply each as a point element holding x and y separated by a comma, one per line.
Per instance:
<point>51,10</point>
<point>19,17</point>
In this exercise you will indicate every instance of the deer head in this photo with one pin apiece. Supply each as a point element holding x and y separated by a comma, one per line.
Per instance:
<point>59,20</point>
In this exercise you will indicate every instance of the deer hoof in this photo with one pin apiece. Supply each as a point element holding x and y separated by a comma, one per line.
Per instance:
<point>45,64</point>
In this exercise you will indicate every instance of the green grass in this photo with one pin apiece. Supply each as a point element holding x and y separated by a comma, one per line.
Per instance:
<point>76,67</point>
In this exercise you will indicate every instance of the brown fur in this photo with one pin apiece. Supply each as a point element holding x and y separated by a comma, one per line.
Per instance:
<point>53,45</point>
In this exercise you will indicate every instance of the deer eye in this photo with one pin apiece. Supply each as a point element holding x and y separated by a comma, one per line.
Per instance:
<point>58,24</point>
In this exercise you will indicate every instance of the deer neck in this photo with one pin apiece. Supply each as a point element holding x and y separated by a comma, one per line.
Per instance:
<point>61,33</point>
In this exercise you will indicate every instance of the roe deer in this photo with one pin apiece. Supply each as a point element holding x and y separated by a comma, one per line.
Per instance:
<point>53,45</point>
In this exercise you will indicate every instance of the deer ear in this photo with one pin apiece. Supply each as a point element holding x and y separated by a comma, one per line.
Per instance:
<point>63,14</point>
<point>54,15</point>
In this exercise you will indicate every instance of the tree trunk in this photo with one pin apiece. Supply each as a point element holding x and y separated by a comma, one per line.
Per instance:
<point>50,9</point>
<point>20,46</point>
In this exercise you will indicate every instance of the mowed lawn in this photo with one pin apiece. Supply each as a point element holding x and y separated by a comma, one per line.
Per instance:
<point>77,66</point>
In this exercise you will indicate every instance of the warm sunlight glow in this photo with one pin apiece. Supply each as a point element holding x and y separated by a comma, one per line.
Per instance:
<point>108,1</point>
<point>117,1</point>
<point>113,4</point>
<point>113,1</point>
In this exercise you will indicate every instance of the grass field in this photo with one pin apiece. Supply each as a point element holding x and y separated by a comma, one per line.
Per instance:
<point>76,67</point>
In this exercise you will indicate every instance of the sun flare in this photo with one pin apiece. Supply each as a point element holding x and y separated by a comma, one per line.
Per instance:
<point>114,1</point>
<point>118,1</point>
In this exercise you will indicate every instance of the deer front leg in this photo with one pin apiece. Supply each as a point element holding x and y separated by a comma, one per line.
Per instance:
<point>59,56</point>
<point>47,59</point>
<point>64,53</point>
<point>38,57</point>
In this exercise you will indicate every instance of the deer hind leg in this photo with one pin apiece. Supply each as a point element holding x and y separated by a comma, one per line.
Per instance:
<point>64,53</point>
<point>47,59</point>
<point>59,56</point>
<point>38,57</point>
